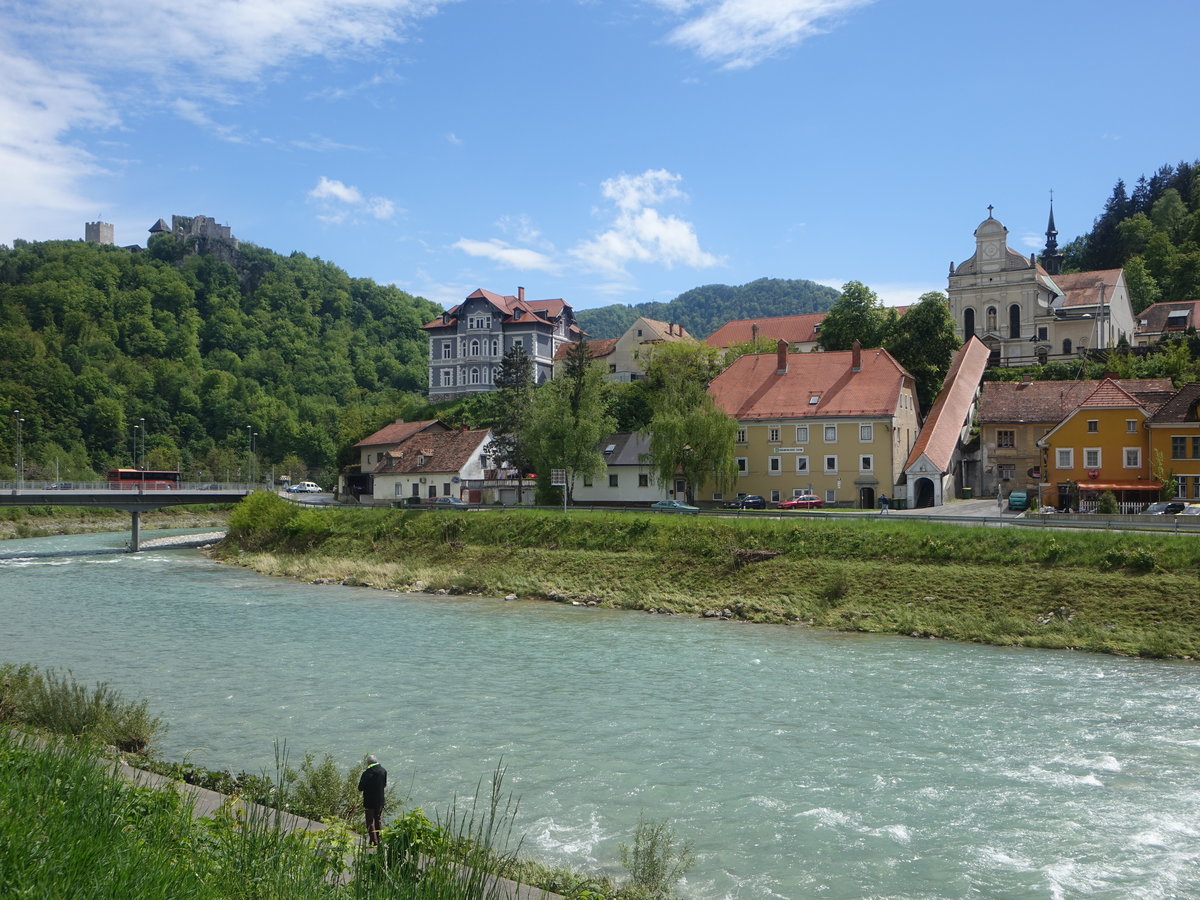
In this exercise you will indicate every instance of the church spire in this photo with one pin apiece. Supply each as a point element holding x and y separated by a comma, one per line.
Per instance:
<point>1051,258</point>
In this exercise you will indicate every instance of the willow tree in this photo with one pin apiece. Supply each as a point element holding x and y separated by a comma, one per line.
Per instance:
<point>689,435</point>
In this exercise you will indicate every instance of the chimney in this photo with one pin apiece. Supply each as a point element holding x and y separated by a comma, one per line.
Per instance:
<point>781,357</point>
<point>856,356</point>
<point>521,294</point>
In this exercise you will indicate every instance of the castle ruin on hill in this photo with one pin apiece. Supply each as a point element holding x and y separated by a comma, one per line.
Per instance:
<point>201,234</point>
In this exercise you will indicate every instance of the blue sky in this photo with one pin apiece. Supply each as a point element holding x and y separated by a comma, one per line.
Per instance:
<point>601,152</point>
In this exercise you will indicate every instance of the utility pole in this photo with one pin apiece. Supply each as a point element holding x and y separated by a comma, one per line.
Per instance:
<point>18,421</point>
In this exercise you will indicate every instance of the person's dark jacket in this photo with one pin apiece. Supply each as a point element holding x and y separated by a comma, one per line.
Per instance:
<point>372,783</point>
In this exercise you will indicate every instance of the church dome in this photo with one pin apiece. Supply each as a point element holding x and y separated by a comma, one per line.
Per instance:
<point>989,227</point>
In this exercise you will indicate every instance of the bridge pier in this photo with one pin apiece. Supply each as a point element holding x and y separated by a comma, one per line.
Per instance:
<point>136,531</point>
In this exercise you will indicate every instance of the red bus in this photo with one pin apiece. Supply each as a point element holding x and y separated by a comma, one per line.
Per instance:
<point>143,479</point>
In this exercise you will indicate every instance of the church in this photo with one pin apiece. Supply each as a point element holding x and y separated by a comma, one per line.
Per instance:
<point>1026,310</point>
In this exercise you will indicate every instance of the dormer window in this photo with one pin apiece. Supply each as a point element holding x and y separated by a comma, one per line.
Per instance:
<point>814,399</point>
<point>420,460</point>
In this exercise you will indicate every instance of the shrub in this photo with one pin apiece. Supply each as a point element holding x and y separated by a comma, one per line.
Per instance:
<point>657,860</point>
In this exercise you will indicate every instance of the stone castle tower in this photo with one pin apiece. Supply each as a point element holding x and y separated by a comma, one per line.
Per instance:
<point>98,233</point>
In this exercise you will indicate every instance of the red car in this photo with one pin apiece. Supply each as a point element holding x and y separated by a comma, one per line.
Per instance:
<point>803,501</point>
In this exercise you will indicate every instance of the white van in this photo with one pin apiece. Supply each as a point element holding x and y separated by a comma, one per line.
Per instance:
<point>304,487</point>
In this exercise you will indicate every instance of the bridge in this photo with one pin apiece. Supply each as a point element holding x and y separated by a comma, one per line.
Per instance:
<point>128,496</point>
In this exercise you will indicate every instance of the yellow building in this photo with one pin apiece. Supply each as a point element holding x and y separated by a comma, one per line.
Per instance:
<point>1175,440</point>
<point>1102,445</point>
<point>838,424</point>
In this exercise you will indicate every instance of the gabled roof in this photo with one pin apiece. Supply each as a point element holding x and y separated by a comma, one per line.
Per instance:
<point>1109,395</point>
<point>951,412</point>
<point>399,431</point>
<point>595,349</point>
<point>797,329</point>
<point>1003,402</point>
<point>753,387</point>
<point>1159,317</point>
<point>432,451</point>
<point>1182,408</point>
<point>510,309</point>
<point>1083,288</point>
<point>663,331</point>
<point>628,448</point>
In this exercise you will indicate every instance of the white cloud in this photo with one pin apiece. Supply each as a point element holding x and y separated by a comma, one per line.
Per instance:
<point>639,232</point>
<point>339,202</point>
<point>742,33</point>
<point>63,73</point>
<point>453,138</point>
<point>890,293</point>
<point>506,254</point>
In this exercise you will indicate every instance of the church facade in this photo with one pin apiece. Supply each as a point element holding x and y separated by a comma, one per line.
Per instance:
<point>1027,310</point>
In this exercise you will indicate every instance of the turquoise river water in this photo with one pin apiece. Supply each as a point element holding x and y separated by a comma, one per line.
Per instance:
<point>801,763</point>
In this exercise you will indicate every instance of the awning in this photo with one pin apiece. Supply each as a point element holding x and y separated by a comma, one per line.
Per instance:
<point>1120,486</point>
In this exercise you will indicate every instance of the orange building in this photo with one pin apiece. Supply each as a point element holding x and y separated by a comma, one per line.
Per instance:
<point>1103,445</point>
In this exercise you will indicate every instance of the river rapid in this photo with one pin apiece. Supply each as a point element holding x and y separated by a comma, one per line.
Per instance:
<point>800,763</point>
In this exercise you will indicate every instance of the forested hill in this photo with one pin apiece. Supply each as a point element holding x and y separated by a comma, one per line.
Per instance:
<point>95,338</point>
<point>704,309</point>
<point>1152,231</point>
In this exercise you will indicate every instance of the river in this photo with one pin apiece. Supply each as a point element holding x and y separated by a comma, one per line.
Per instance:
<point>800,763</point>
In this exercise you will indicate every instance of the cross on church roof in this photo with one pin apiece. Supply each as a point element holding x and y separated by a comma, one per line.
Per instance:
<point>989,210</point>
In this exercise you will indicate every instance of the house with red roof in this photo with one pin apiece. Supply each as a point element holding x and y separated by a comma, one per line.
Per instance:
<point>625,358</point>
<point>937,467</point>
<point>1161,320</point>
<point>432,464</point>
<point>1175,441</point>
<point>1026,309</point>
<point>800,331</point>
<point>355,481</point>
<point>839,424</point>
<point>467,342</point>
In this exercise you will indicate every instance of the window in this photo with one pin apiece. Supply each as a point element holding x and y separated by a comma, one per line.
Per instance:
<point>1014,321</point>
<point>1131,426</point>
<point>1093,426</point>
<point>773,434</point>
<point>1196,448</point>
<point>445,489</point>
<point>474,376</point>
<point>1133,457</point>
<point>1006,439</point>
<point>801,465</point>
<point>1006,472</point>
<point>801,434</point>
<point>680,487</point>
<point>866,433</point>
<point>741,465</point>
<point>831,434</point>
<point>774,496</point>
<point>495,347</point>
<point>830,496</point>
<point>968,322</point>
<point>447,349</point>
<point>1043,333</point>
<point>587,480</point>
<point>518,342</point>
<point>866,463</point>
<point>1178,447</point>
<point>773,465</point>
<point>741,435</point>
<point>1064,458</point>
<point>643,479</point>
<point>1091,457</point>
<point>447,378</point>
<point>474,347</point>
<point>612,480</point>
<point>717,495</point>
<point>831,465</point>
<point>1066,346</point>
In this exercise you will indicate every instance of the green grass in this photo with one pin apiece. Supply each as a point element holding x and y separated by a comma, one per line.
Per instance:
<point>1100,591</point>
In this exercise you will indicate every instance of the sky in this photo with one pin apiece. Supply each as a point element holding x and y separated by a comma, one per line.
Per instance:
<point>602,151</point>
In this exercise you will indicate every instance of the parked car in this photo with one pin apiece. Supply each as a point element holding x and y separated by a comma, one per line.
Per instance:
<point>1018,500</point>
<point>449,503</point>
<point>1164,508</point>
<point>304,487</point>
<point>746,501</point>
<point>410,502</point>
<point>674,506</point>
<point>802,501</point>
<point>1192,509</point>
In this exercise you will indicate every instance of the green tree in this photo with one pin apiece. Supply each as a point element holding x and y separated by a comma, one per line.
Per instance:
<point>514,390</point>
<point>1143,289</point>
<point>689,435</point>
<point>924,343</point>
<point>858,315</point>
<point>567,421</point>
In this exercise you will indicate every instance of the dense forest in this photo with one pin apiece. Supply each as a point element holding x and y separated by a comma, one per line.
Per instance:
<point>1153,231</point>
<point>188,362</point>
<point>704,309</point>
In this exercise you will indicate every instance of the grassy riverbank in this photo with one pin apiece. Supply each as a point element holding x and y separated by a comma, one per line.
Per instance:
<point>45,521</point>
<point>1099,591</point>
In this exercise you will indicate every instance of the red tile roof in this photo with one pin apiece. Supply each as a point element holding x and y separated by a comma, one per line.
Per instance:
<point>938,438</point>
<point>432,451</point>
<point>753,388</point>
<point>1109,395</point>
<point>1183,407</point>
<point>1051,401</point>
<point>798,329</point>
<point>595,349</point>
<point>508,307</point>
<point>1083,288</point>
<point>1155,316</point>
<point>399,431</point>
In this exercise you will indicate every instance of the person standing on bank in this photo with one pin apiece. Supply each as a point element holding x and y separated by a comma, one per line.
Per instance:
<point>884,503</point>
<point>372,783</point>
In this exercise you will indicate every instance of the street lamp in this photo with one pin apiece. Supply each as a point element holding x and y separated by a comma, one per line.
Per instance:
<point>17,420</point>
<point>134,441</point>
<point>143,421</point>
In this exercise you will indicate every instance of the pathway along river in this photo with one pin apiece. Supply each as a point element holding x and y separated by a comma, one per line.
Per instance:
<point>801,763</point>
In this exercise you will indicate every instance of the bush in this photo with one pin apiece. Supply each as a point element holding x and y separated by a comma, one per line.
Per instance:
<point>656,861</point>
